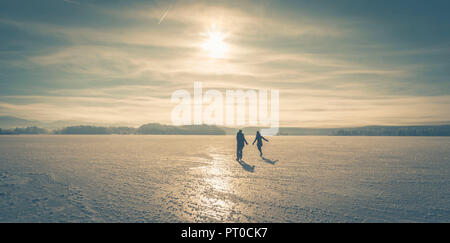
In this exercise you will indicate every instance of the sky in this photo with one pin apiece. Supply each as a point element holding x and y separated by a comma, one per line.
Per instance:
<point>335,63</point>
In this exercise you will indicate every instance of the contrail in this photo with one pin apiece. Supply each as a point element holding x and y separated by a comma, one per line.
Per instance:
<point>164,15</point>
<point>71,1</point>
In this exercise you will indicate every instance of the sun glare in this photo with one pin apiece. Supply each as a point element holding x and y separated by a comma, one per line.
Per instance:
<point>214,43</point>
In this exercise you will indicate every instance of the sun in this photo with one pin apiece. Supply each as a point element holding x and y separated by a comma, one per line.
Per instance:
<point>214,43</point>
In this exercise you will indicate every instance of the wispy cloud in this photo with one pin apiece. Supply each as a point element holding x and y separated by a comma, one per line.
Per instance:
<point>330,69</point>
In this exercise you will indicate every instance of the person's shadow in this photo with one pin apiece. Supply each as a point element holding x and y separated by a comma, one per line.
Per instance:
<point>247,167</point>
<point>268,160</point>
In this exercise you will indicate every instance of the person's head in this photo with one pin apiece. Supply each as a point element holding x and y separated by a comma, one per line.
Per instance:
<point>257,133</point>
<point>240,131</point>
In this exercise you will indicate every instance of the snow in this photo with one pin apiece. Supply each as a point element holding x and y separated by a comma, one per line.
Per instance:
<point>114,178</point>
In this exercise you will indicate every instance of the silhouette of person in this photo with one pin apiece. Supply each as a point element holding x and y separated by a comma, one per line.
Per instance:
<point>259,143</point>
<point>240,139</point>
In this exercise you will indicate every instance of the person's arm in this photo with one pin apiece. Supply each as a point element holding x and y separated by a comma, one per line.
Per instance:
<point>254,142</point>
<point>245,141</point>
<point>264,139</point>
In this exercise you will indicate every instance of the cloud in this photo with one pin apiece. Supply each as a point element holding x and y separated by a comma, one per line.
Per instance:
<point>329,69</point>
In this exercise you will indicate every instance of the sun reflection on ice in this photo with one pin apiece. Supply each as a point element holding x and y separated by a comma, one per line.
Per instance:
<point>217,180</point>
<point>217,186</point>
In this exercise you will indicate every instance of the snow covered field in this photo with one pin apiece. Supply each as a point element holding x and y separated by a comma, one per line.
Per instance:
<point>113,178</point>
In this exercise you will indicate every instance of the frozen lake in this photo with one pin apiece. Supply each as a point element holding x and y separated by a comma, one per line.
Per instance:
<point>113,178</point>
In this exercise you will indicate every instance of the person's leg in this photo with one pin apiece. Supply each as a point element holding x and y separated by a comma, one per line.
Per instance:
<point>260,152</point>
<point>237,153</point>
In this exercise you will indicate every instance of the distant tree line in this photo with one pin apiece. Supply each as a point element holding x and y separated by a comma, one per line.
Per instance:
<point>153,128</point>
<point>95,130</point>
<point>27,130</point>
<point>443,130</point>
<point>156,128</point>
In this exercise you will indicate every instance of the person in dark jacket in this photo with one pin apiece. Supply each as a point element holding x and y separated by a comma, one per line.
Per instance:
<point>240,139</point>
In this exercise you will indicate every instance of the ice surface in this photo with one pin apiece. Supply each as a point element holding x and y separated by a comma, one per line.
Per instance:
<point>196,179</point>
